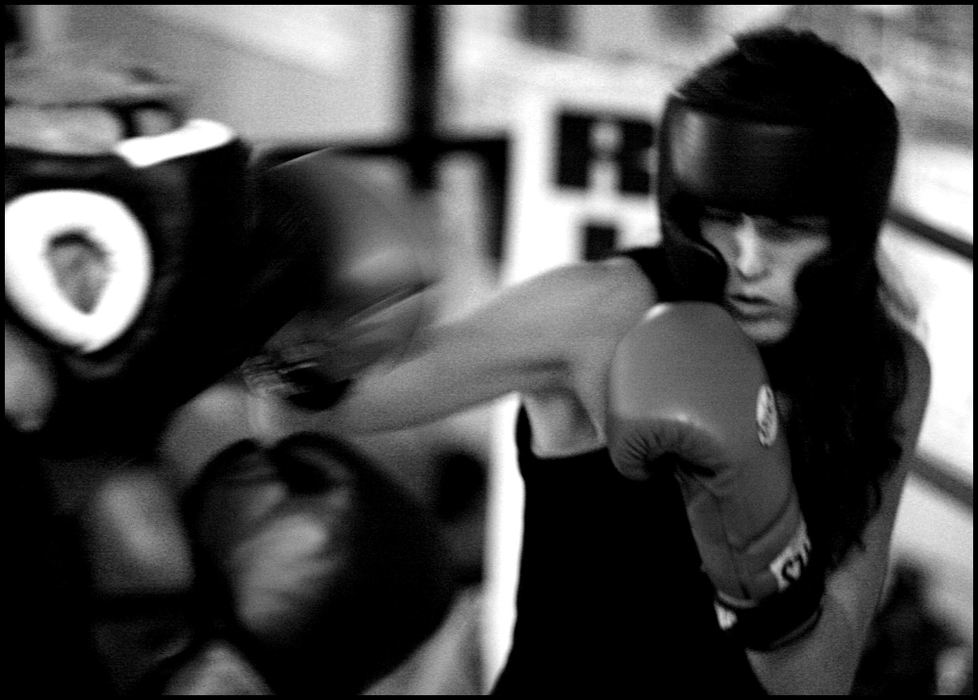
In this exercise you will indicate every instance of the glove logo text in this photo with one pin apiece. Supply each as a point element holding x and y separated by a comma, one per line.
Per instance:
<point>789,566</point>
<point>767,416</point>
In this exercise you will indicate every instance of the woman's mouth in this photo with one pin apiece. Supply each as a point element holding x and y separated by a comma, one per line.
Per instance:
<point>750,306</point>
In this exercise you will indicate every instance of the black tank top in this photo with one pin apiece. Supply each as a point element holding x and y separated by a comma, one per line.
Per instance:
<point>611,596</point>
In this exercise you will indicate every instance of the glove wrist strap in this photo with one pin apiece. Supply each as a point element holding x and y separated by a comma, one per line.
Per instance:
<point>777,621</point>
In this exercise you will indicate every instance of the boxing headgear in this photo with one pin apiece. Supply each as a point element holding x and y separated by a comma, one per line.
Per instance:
<point>707,158</point>
<point>165,215</point>
<point>784,125</point>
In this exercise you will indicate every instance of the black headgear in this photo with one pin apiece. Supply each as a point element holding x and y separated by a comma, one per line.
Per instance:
<point>737,144</point>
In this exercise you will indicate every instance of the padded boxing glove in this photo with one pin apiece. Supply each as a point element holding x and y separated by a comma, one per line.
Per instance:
<point>324,572</point>
<point>140,577</point>
<point>687,382</point>
<point>352,290</point>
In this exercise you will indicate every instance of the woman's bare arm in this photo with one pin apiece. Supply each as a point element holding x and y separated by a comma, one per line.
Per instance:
<point>550,336</point>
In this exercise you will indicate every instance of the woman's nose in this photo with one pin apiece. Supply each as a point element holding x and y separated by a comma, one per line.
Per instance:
<point>750,256</point>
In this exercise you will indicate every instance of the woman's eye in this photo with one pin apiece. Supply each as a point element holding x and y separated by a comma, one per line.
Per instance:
<point>791,222</point>
<point>789,227</point>
<point>722,216</point>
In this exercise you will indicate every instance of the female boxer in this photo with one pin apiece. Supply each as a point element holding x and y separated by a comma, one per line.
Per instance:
<point>775,159</point>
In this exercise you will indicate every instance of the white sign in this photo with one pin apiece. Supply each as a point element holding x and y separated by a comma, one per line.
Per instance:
<point>582,182</point>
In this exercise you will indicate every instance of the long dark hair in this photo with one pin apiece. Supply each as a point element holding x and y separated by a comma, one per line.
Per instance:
<point>842,365</point>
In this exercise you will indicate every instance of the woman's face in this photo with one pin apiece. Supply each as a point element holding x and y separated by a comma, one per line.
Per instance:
<point>764,255</point>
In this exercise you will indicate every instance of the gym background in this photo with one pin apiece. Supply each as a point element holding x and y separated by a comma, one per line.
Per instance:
<point>491,117</point>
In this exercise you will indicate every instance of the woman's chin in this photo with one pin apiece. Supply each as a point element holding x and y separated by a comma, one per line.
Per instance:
<point>763,331</point>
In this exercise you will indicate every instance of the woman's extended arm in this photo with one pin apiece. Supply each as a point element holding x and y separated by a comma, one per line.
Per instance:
<point>548,339</point>
<point>536,338</point>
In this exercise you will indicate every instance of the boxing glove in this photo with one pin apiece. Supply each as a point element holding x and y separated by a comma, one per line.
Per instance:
<point>139,576</point>
<point>146,628</point>
<point>322,570</point>
<point>352,292</point>
<point>687,382</point>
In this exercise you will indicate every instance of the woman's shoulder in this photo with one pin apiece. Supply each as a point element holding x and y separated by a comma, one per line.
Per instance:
<point>916,358</point>
<point>681,272</point>
<point>632,280</point>
<point>614,290</point>
<point>918,380</point>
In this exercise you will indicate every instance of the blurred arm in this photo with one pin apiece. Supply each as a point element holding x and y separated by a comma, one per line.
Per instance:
<point>549,337</point>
